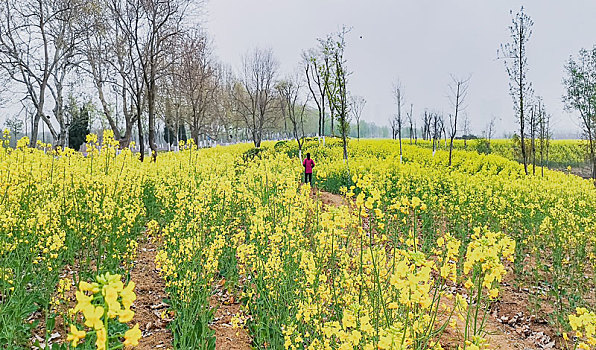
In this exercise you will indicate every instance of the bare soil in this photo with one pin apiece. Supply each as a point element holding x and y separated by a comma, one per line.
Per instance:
<point>583,171</point>
<point>149,306</point>
<point>330,199</point>
<point>228,306</point>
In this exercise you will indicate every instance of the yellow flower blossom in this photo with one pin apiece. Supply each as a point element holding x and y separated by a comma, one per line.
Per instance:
<point>75,336</point>
<point>93,316</point>
<point>132,336</point>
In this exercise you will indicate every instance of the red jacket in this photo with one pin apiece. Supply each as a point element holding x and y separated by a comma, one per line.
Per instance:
<point>308,165</point>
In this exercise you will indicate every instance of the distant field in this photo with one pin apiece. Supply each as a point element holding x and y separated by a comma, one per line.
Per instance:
<point>562,153</point>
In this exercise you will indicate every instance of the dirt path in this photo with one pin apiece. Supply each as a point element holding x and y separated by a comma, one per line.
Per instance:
<point>330,199</point>
<point>150,290</point>
<point>227,306</point>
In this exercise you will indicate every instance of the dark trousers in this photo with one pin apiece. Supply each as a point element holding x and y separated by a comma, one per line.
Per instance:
<point>308,178</point>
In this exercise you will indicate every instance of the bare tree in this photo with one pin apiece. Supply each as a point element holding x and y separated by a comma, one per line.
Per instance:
<point>154,27</point>
<point>543,135</point>
<point>114,67</point>
<point>327,49</point>
<point>411,121</point>
<point>357,106</point>
<point>175,97</point>
<point>131,63</point>
<point>197,76</point>
<point>580,84</point>
<point>399,101</point>
<point>393,125</point>
<point>289,93</point>
<point>514,54</point>
<point>466,130</point>
<point>533,121</point>
<point>458,89</point>
<point>316,84</point>
<point>437,129</point>
<point>490,129</point>
<point>415,133</point>
<point>66,33</point>
<point>255,93</point>
<point>443,132</point>
<point>37,40</point>
<point>225,108</point>
<point>426,125</point>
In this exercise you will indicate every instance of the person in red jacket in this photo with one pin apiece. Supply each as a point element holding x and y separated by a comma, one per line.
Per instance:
<point>308,165</point>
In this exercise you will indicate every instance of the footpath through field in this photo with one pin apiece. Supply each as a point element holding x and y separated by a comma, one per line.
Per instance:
<point>227,306</point>
<point>151,311</point>
<point>152,314</point>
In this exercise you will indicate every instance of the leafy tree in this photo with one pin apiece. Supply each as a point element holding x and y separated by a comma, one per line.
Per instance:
<point>79,122</point>
<point>338,94</point>
<point>169,134</point>
<point>580,84</point>
<point>15,125</point>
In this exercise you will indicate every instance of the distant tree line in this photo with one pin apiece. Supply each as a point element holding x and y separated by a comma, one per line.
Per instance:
<point>148,65</point>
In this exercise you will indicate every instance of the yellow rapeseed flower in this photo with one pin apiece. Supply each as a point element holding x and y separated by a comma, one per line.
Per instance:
<point>102,337</point>
<point>93,316</point>
<point>75,336</point>
<point>132,336</point>
<point>125,315</point>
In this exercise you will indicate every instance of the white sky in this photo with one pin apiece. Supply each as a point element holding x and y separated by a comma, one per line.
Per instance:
<point>420,42</point>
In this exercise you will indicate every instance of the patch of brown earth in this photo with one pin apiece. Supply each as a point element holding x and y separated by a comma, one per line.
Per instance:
<point>502,332</point>
<point>226,307</point>
<point>512,314</point>
<point>583,171</point>
<point>149,306</point>
<point>330,199</point>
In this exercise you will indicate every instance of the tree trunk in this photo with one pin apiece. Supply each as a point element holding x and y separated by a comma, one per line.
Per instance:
<point>129,121</point>
<point>523,149</point>
<point>140,130</point>
<point>533,157</point>
<point>125,141</point>
<point>400,151</point>
<point>450,149</point>
<point>592,154</point>
<point>323,121</point>
<point>106,110</point>
<point>345,146</point>
<point>151,113</point>
<point>34,129</point>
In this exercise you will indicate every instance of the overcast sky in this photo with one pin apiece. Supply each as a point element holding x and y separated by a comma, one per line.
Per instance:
<point>419,42</point>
